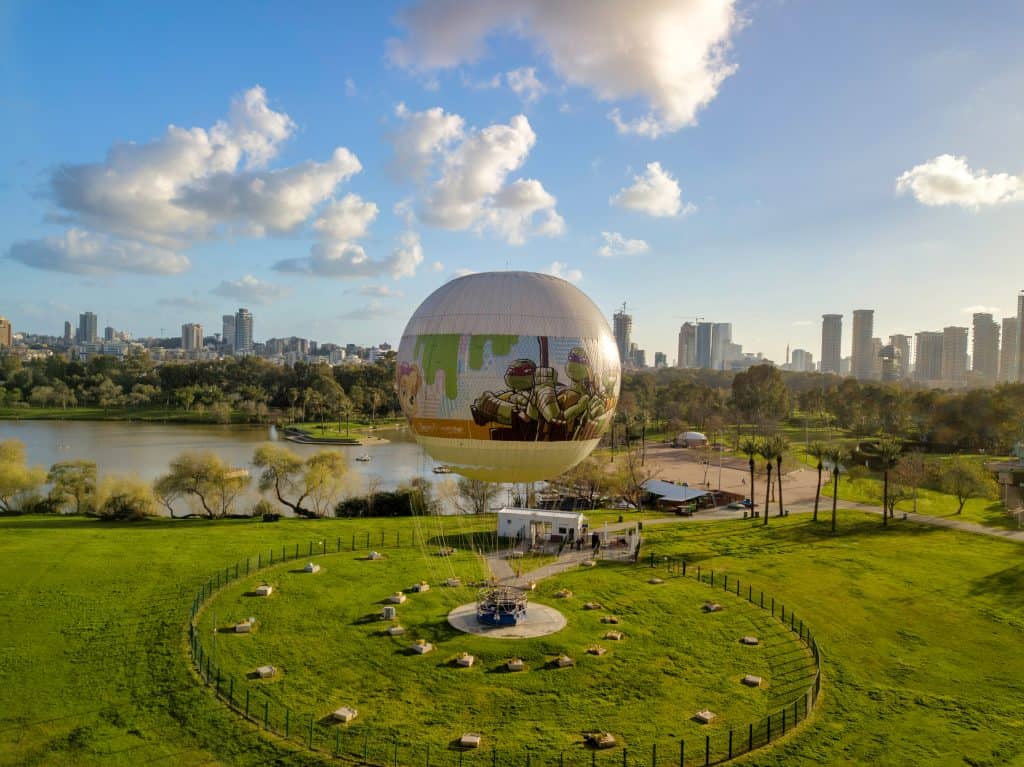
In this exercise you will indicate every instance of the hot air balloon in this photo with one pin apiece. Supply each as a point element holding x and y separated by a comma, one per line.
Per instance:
<point>508,376</point>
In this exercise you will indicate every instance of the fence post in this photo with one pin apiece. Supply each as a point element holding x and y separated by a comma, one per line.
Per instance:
<point>339,544</point>
<point>762,600</point>
<point>707,750</point>
<point>367,540</point>
<point>428,754</point>
<point>654,754</point>
<point>737,587</point>
<point>791,627</point>
<point>625,751</point>
<point>783,721</point>
<point>259,561</point>
<point>682,753</point>
<point>684,568</point>
<point>730,744</point>
<point>246,704</point>
<point>750,738</point>
<point>712,577</point>
<point>725,583</point>
<point>698,573</point>
<point>311,548</point>
<point>773,607</point>
<point>768,730</point>
<point>231,692</point>
<point>287,723</point>
<point>310,732</point>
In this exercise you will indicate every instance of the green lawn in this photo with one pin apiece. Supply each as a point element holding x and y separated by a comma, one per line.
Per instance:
<point>354,429</point>
<point>920,630</point>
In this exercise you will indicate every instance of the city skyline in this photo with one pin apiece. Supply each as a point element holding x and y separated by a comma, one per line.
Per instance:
<point>339,182</point>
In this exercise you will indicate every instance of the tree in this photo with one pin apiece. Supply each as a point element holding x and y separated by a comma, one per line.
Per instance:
<point>767,450</point>
<point>587,480</point>
<point>205,478</point>
<point>474,496</point>
<point>888,454</point>
<point>17,479</point>
<point>318,478</point>
<point>631,478</point>
<point>751,446</point>
<point>167,490</point>
<point>760,393</point>
<point>910,472</point>
<point>73,481</point>
<point>966,479</point>
<point>834,456</point>
<point>124,499</point>
<point>779,446</point>
<point>817,451</point>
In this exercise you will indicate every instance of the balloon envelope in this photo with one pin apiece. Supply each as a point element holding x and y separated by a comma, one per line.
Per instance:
<point>508,376</point>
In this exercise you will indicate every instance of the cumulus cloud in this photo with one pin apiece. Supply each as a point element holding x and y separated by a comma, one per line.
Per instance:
<point>979,309</point>
<point>470,188</point>
<point>655,192</point>
<point>617,245</point>
<point>462,271</point>
<point>671,54</point>
<point>421,135</point>
<point>437,266</point>
<point>346,219</point>
<point>332,258</point>
<point>524,84</point>
<point>949,180</point>
<point>81,252</point>
<point>190,185</point>
<point>249,290</point>
<point>558,269</point>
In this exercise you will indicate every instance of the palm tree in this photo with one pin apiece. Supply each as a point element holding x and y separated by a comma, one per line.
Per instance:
<point>751,446</point>
<point>888,453</point>
<point>834,455</point>
<point>767,451</point>
<point>817,451</point>
<point>779,446</point>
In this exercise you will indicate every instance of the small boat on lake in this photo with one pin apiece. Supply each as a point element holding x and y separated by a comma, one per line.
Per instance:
<point>365,457</point>
<point>442,470</point>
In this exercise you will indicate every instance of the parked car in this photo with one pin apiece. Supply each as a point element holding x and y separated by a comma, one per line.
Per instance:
<point>735,506</point>
<point>747,502</point>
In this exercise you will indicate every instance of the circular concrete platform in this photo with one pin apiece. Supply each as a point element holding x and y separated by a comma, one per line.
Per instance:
<point>541,620</point>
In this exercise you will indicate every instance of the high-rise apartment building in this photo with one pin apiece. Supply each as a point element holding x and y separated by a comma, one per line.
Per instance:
<point>702,356</point>
<point>954,355</point>
<point>1020,336</point>
<point>1008,351</point>
<point>191,336</point>
<point>6,333</point>
<point>831,343</point>
<point>622,327</point>
<point>928,356</point>
<point>687,346</point>
<point>985,349</point>
<point>69,331</point>
<point>227,336</point>
<point>109,333</point>
<point>901,359</point>
<point>721,340</point>
<point>660,360</point>
<point>243,332</point>
<point>876,359</point>
<point>802,361</point>
<point>87,329</point>
<point>863,352</point>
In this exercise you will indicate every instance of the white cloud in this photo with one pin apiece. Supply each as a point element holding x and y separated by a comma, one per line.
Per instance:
<point>422,135</point>
<point>462,271</point>
<point>346,219</point>
<point>617,245</point>
<point>524,84</point>
<point>512,213</point>
<point>250,290</point>
<point>379,291</point>
<point>948,180</point>
<point>558,269</point>
<point>655,193</point>
<point>81,252</point>
<point>334,258</point>
<point>670,53</point>
<point>979,309</point>
<point>437,266</point>
<point>144,201</point>
<point>350,87</point>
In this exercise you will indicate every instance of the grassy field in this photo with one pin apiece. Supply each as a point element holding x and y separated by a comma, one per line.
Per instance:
<point>323,632</point>
<point>920,630</point>
<point>154,413</point>
<point>355,429</point>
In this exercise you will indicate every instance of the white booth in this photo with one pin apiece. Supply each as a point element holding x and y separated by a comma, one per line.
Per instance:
<point>534,526</point>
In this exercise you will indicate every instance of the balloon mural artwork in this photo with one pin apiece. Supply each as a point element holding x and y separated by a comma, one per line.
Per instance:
<point>508,376</point>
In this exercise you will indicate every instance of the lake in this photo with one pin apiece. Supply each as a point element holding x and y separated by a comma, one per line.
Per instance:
<point>146,449</point>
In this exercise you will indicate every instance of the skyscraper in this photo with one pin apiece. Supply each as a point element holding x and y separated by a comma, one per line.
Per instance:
<point>802,361</point>
<point>702,355</point>
<point>954,354</point>
<point>831,342</point>
<point>928,356</point>
<point>876,359</point>
<point>1020,336</point>
<point>863,359</point>
<point>87,328</point>
<point>243,332</point>
<point>227,336</point>
<point>901,346</point>
<point>191,336</point>
<point>721,338</point>
<point>687,345</point>
<point>109,333</point>
<point>6,333</point>
<point>985,349</point>
<point>622,326</point>
<point>69,331</point>
<point>1008,351</point>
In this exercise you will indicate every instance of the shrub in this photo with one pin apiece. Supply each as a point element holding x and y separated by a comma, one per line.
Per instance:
<point>124,499</point>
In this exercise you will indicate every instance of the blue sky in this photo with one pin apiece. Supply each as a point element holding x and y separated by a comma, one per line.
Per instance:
<point>769,195</point>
